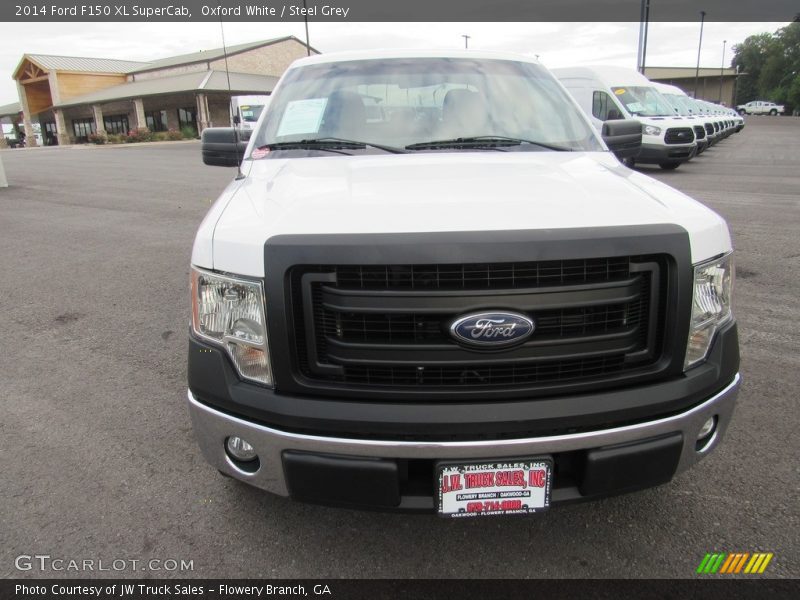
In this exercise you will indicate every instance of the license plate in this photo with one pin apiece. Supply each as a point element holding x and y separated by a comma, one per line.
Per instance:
<point>491,488</point>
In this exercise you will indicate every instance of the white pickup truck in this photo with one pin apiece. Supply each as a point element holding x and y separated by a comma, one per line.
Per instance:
<point>461,303</point>
<point>759,107</point>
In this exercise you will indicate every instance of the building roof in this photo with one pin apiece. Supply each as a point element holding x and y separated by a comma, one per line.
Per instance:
<point>210,81</point>
<point>50,62</point>
<point>209,55</point>
<point>9,110</point>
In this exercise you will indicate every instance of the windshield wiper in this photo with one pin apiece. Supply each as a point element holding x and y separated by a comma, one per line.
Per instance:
<point>331,143</point>
<point>484,141</point>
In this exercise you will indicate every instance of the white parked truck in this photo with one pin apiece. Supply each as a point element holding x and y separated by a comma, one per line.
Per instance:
<point>461,303</point>
<point>760,107</point>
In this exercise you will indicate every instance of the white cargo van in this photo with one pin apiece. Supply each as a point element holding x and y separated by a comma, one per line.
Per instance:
<point>247,109</point>
<point>607,93</point>
<point>703,127</point>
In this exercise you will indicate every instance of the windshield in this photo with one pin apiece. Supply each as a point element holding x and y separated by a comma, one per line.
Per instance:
<point>676,101</point>
<point>397,103</point>
<point>643,101</point>
<point>250,112</point>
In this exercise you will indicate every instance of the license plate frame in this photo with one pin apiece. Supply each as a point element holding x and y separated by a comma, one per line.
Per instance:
<point>474,488</point>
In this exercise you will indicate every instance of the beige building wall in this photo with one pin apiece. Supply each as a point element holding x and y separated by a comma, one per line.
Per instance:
<point>267,60</point>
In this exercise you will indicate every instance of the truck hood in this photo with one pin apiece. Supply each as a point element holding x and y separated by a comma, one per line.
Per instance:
<point>435,192</point>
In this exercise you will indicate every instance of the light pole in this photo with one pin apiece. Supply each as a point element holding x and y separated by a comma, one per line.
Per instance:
<point>643,30</point>
<point>722,70</point>
<point>699,45</point>
<point>466,40</point>
<point>305,18</point>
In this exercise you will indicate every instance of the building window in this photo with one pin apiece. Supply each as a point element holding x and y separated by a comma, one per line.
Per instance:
<point>187,117</point>
<point>116,123</point>
<point>156,120</point>
<point>82,129</point>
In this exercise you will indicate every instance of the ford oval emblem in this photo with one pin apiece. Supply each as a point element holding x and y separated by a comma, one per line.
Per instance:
<point>492,329</point>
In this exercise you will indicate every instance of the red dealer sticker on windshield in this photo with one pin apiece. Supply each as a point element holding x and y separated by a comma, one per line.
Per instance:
<point>494,488</point>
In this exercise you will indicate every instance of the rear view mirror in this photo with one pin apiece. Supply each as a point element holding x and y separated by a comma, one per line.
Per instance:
<point>623,138</point>
<point>222,147</point>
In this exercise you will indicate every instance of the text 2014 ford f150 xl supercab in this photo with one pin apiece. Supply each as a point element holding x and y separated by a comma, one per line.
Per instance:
<point>433,287</point>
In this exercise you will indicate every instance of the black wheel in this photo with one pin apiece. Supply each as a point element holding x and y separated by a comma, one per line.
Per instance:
<point>669,166</point>
<point>773,112</point>
<point>742,112</point>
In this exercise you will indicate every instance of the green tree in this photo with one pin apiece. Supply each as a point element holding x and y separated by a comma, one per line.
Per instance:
<point>770,63</point>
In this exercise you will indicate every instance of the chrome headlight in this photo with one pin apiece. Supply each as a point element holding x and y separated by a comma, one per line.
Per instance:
<point>711,306</point>
<point>651,130</point>
<point>230,313</point>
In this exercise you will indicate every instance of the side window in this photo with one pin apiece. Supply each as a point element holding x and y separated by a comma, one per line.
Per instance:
<point>603,107</point>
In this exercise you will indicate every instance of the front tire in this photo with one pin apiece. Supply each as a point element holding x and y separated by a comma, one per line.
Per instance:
<point>773,112</point>
<point>669,166</point>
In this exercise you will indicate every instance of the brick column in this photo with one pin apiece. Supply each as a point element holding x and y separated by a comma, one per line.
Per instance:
<point>202,113</point>
<point>30,136</point>
<point>61,128</point>
<point>138,110</point>
<point>99,127</point>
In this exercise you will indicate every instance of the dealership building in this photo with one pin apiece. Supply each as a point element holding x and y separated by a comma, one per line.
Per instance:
<point>71,97</point>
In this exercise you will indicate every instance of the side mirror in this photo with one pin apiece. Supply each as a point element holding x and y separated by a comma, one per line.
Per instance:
<point>613,114</point>
<point>623,138</point>
<point>222,147</point>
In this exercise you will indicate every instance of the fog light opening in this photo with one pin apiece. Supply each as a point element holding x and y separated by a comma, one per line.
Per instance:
<point>242,454</point>
<point>706,434</point>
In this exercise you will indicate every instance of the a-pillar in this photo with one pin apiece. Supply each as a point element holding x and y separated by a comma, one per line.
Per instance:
<point>138,110</point>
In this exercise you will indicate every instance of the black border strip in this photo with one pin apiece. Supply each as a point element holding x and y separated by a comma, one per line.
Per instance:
<point>342,11</point>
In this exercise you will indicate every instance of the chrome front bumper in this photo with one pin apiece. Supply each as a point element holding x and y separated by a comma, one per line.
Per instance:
<point>213,427</point>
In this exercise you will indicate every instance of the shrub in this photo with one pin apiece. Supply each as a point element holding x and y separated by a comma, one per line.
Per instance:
<point>98,138</point>
<point>188,132</point>
<point>160,136</point>
<point>142,134</point>
<point>115,138</point>
<point>174,135</point>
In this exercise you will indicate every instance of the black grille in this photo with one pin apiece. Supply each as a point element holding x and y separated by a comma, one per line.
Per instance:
<point>699,132</point>
<point>679,135</point>
<point>709,129</point>
<point>387,326</point>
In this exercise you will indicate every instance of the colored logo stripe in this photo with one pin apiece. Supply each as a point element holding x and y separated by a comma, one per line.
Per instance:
<point>723,562</point>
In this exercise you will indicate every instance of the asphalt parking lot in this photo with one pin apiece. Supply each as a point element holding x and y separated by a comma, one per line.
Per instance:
<point>99,460</point>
